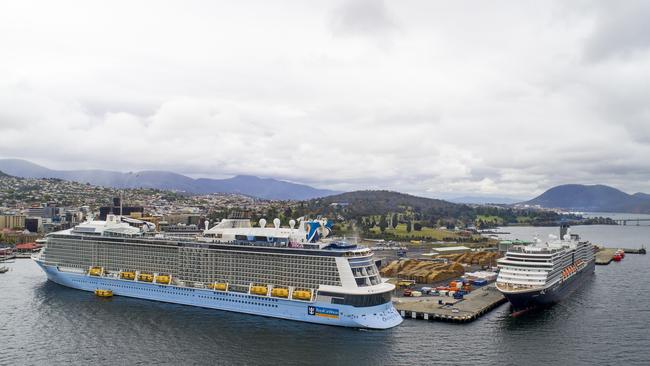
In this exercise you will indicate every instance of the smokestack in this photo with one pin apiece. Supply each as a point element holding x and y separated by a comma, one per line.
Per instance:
<point>563,230</point>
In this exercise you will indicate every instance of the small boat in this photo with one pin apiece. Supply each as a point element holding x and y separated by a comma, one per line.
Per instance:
<point>163,279</point>
<point>301,295</point>
<point>4,269</point>
<point>145,277</point>
<point>218,286</point>
<point>103,293</point>
<point>280,292</point>
<point>127,275</point>
<point>259,290</point>
<point>617,258</point>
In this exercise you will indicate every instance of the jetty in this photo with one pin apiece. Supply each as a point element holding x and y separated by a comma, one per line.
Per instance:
<point>634,251</point>
<point>443,308</point>
<point>605,255</point>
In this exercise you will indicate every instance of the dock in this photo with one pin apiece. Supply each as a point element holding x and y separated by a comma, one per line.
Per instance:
<point>604,256</point>
<point>471,307</point>
<point>634,251</point>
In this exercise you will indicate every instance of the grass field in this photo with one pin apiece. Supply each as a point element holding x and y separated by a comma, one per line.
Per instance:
<point>524,219</point>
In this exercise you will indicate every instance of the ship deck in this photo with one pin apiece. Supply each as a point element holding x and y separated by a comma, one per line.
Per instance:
<point>514,288</point>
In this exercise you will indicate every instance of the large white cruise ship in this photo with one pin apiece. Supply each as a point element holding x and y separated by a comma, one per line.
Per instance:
<point>544,273</point>
<point>287,273</point>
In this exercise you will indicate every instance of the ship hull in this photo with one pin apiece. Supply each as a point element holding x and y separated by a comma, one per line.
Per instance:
<point>550,295</point>
<point>382,316</point>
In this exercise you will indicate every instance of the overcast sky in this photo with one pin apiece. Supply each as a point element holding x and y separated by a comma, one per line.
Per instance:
<point>443,99</point>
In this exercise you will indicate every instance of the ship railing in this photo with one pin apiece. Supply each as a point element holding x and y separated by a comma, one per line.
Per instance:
<point>511,286</point>
<point>529,250</point>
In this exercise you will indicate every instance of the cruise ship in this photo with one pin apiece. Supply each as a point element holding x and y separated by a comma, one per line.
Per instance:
<point>543,273</point>
<point>283,272</point>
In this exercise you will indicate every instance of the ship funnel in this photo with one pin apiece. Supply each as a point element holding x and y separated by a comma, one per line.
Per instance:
<point>276,223</point>
<point>292,223</point>
<point>262,222</point>
<point>207,224</point>
<point>563,230</point>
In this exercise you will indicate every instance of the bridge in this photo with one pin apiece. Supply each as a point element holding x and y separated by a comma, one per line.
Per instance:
<point>633,221</point>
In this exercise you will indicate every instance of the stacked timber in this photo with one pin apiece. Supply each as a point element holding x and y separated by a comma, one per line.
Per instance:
<point>476,258</point>
<point>422,271</point>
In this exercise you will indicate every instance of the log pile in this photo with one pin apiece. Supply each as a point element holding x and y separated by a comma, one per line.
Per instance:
<point>476,258</point>
<point>422,271</point>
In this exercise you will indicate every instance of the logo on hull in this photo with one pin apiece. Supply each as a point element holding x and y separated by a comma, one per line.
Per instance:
<point>323,312</point>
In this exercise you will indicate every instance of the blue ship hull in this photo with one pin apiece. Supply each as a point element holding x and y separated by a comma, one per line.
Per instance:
<point>551,295</point>
<point>376,317</point>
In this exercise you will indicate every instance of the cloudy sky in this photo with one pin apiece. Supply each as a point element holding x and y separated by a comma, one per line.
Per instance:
<point>443,99</point>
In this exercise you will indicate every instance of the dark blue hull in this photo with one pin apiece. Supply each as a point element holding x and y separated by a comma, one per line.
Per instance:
<point>552,295</point>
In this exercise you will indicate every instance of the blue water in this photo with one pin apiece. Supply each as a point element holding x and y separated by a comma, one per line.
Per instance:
<point>606,322</point>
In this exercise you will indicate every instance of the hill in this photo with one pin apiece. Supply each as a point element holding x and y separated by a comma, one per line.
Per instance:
<point>242,184</point>
<point>367,203</point>
<point>596,198</point>
<point>484,200</point>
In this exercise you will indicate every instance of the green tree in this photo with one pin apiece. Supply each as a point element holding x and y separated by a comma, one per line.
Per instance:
<point>408,226</point>
<point>383,223</point>
<point>394,221</point>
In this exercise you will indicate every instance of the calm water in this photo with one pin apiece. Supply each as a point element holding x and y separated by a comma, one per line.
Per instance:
<point>606,322</point>
<point>617,215</point>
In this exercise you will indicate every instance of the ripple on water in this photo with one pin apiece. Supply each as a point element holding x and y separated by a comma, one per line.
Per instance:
<point>605,322</point>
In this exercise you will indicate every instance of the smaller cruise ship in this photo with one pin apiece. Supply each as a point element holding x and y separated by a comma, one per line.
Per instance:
<point>543,273</point>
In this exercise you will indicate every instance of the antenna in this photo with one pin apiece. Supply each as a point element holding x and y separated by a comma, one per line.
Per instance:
<point>121,203</point>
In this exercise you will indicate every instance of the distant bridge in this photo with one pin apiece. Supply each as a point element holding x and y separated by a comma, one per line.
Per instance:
<point>636,222</point>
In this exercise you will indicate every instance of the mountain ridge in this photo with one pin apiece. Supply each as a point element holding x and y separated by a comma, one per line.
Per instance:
<point>266,188</point>
<point>595,198</point>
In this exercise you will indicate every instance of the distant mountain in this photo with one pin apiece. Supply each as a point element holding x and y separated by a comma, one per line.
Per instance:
<point>595,198</point>
<point>2,174</point>
<point>482,200</point>
<point>242,184</point>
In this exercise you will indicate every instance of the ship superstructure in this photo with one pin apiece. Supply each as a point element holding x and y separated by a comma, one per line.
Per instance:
<point>284,272</point>
<point>544,273</point>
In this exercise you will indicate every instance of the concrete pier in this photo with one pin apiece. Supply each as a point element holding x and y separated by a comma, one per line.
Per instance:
<point>471,307</point>
<point>634,251</point>
<point>605,255</point>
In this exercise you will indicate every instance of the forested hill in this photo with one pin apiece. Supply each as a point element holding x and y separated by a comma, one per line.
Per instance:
<point>366,203</point>
<point>371,206</point>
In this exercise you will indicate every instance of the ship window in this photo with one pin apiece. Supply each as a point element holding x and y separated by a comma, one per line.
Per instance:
<point>362,300</point>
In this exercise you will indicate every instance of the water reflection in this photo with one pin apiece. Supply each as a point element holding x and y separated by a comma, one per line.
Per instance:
<point>44,323</point>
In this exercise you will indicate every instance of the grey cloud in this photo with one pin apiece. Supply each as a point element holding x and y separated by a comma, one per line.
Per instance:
<point>621,29</point>
<point>362,17</point>
<point>229,92</point>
